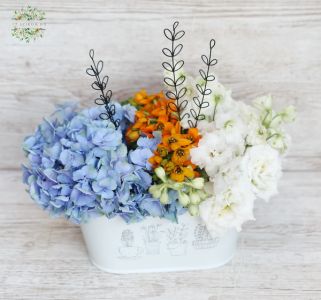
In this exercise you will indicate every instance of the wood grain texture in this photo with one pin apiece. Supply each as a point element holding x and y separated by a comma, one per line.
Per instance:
<point>262,47</point>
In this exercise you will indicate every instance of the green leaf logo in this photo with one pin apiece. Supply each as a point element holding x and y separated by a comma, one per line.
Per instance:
<point>28,24</point>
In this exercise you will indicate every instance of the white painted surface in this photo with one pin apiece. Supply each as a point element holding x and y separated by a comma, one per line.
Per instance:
<point>156,245</point>
<point>262,46</point>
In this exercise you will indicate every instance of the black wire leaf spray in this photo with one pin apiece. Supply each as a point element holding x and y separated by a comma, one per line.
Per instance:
<point>175,92</point>
<point>101,85</point>
<point>203,89</point>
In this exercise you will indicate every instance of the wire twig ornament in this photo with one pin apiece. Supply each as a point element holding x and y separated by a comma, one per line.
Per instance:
<point>100,85</point>
<point>203,89</point>
<point>175,92</point>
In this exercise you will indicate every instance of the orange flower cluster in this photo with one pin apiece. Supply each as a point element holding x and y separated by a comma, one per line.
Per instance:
<point>152,115</point>
<point>173,152</point>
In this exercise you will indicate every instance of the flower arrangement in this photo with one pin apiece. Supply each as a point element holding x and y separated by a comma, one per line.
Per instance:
<point>190,149</point>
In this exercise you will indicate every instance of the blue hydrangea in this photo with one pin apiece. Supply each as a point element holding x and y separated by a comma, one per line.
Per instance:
<point>79,167</point>
<point>144,150</point>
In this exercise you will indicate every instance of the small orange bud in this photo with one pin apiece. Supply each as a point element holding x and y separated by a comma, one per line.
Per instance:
<point>133,135</point>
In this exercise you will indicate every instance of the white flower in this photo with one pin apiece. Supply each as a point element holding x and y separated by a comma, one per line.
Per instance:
<point>190,84</point>
<point>256,136</point>
<point>256,133</point>
<point>220,96</point>
<point>164,199</point>
<point>228,209</point>
<point>271,124</point>
<point>191,92</point>
<point>160,172</point>
<point>183,199</point>
<point>195,198</point>
<point>279,140</point>
<point>219,100</point>
<point>264,108</point>
<point>262,166</point>
<point>197,183</point>
<point>248,113</point>
<point>193,210</point>
<point>211,153</point>
<point>289,114</point>
<point>232,126</point>
<point>229,174</point>
<point>219,146</point>
<point>263,102</point>
<point>232,202</point>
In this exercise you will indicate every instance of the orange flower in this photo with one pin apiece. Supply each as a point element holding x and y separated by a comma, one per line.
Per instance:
<point>155,160</point>
<point>193,135</point>
<point>132,135</point>
<point>180,156</point>
<point>165,127</point>
<point>159,109</point>
<point>179,173</point>
<point>161,150</point>
<point>175,141</point>
<point>142,98</point>
<point>153,114</point>
<point>168,166</point>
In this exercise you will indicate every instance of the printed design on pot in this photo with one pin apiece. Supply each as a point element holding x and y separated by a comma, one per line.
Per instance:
<point>128,248</point>
<point>177,240</point>
<point>203,239</point>
<point>152,239</point>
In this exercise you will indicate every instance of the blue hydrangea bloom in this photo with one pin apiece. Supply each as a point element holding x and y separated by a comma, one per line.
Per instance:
<point>79,167</point>
<point>144,150</point>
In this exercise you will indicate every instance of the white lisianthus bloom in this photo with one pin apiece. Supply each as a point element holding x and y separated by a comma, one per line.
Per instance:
<point>263,102</point>
<point>286,116</point>
<point>262,166</point>
<point>220,97</point>
<point>220,102</point>
<point>190,84</point>
<point>271,125</point>
<point>232,126</point>
<point>289,114</point>
<point>256,133</point>
<point>279,140</point>
<point>263,105</point>
<point>228,209</point>
<point>211,153</point>
<point>230,174</point>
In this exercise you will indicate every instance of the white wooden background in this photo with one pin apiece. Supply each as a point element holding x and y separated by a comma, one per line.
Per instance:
<point>265,46</point>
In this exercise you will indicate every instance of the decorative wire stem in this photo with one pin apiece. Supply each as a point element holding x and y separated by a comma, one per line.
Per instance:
<point>100,85</point>
<point>204,91</point>
<point>175,92</point>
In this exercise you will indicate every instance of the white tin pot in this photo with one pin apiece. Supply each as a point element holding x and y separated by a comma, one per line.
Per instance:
<point>155,245</point>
